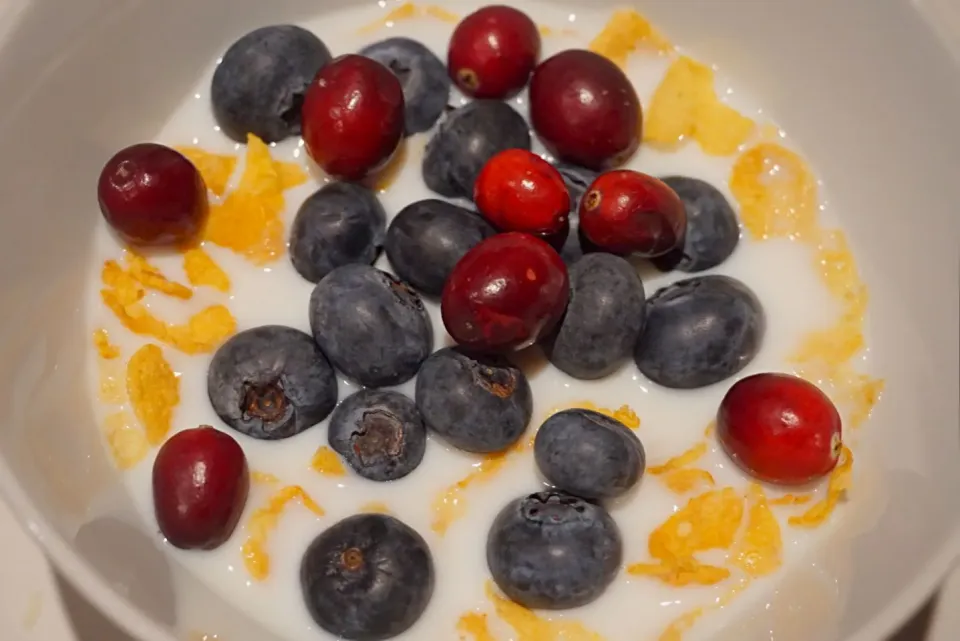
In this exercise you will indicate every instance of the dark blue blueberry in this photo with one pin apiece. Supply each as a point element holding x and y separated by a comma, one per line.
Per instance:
<point>271,382</point>
<point>553,551</point>
<point>577,179</point>
<point>465,140</point>
<point>259,85</point>
<point>477,403</point>
<point>712,230</point>
<point>603,318</point>
<point>371,326</point>
<point>588,454</point>
<point>423,76</point>
<point>427,238</point>
<point>700,331</point>
<point>340,224</point>
<point>379,433</point>
<point>366,578</point>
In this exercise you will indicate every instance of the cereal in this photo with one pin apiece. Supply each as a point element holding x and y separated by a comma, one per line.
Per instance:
<point>202,271</point>
<point>127,442</point>
<point>326,462</point>
<point>626,32</point>
<point>255,557</point>
<point>154,391</point>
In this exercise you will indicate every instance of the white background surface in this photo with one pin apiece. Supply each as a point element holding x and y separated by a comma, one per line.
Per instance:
<point>37,605</point>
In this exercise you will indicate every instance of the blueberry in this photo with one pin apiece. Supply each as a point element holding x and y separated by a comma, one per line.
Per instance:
<point>259,85</point>
<point>477,403</point>
<point>423,76</point>
<point>553,551</point>
<point>588,454</point>
<point>465,140</point>
<point>371,326</point>
<point>700,331</point>
<point>578,180</point>
<point>340,224</point>
<point>712,230</point>
<point>427,238</point>
<point>603,318</point>
<point>271,382</point>
<point>379,433</point>
<point>366,578</point>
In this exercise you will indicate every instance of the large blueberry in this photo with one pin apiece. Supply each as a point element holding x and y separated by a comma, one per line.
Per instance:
<point>603,318</point>
<point>271,382</point>
<point>712,230</point>
<point>700,331</point>
<point>477,403</point>
<point>340,224</point>
<point>259,85</point>
<point>379,433</point>
<point>588,454</point>
<point>465,140</point>
<point>366,578</point>
<point>423,76</point>
<point>553,551</point>
<point>373,327</point>
<point>427,238</point>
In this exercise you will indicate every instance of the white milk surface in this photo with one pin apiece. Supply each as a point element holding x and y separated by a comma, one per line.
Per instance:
<point>634,608</point>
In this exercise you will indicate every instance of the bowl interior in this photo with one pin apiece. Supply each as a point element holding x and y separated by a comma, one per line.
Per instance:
<point>865,89</point>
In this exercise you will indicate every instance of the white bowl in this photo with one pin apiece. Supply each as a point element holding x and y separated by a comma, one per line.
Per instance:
<point>866,87</point>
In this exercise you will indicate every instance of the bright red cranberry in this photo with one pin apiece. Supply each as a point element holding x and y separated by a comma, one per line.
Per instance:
<point>353,117</point>
<point>152,195</point>
<point>585,110</point>
<point>505,293</point>
<point>780,429</point>
<point>200,485</point>
<point>627,212</point>
<point>493,51</point>
<point>517,190</point>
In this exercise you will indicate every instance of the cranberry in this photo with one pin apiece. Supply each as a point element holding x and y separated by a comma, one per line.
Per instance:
<point>200,484</point>
<point>505,293</point>
<point>626,212</point>
<point>492,52</point>
<point>517,190</point>
<point>780,428</point>
<point>585,110</point>
<point>353,117</point>
<point>152,195</point>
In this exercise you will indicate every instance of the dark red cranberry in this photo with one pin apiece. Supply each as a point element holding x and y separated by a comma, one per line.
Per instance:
<point>505,293</point>
<point>780,429</point>
<point>493,51</point>
<point>353,117</point>
<point>517,190</point>
<point>152,195</point>
<point>585,110</point>
<point>627,212</point>
<point>200,485</point>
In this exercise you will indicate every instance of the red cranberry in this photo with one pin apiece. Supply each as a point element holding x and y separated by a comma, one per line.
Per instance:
<point>152,195</point>
<point>353,117</point>
<point>517,190</point>
<point>585,110</point>
<point>200,485</point>
<point>492,52</point>
<point>626,212</point>
<point>505,293</point>
<point>780,429</point>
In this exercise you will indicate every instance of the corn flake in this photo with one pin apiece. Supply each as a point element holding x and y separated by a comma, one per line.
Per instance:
<point>689,457</point>
<point>531,627</point>
<point>837,488</point>
<point>375,507</point>
<point>127,442</point>
<point>255,557</point>
<point>791,499</point>
<point>112,382</point>
<point>105,349</point>
<point>760,551</point>
<point>215,169</point>
<point>202,271</point>
<point>154,391</point>
<point>475,625</point>
<point>685,480</point>
<point>326,462</point>
<point>626,32</point>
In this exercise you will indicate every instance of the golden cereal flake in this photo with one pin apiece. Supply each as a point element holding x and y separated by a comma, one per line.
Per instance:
<point>264,478</point>
<point>689,457</point>
<point>202,271</point>
<point>248,221</point>
<point>681,572</point>
<point>375,507</point>
<point>792,499</point>
<point>528,626</point>
<point>215,169</point>
<point>685,106</point>
<point>475,625</point>
<point>151,277</point>
<point>326,462</point>
<point>154,390</point>
<point>112,382</point>
<point>837,488</point>
<point>687,479</point>
<point>759,552</point>
<point>127,442</point>
<point>263,521</point>
<point>105,349</point>
<point>626,32</point>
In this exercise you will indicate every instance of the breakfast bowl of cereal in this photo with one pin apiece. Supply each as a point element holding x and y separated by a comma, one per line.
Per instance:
<point>557,320</point>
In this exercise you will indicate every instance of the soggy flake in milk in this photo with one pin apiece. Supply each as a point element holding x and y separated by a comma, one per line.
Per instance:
<point>203,271</point>
<point>126,440</point>
<point>215,169</point>
<point>154,391</point>
<point>529,626</point>
<point>837,486</point>
<point>105,349</point>
<point>264,520</point>
<point>140,269</point>
<point>627,32</point>
<point>325,461</point>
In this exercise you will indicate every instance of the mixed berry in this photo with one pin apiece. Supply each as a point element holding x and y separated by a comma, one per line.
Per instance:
<point>548,257</point>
